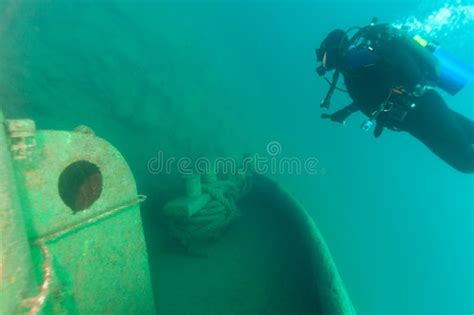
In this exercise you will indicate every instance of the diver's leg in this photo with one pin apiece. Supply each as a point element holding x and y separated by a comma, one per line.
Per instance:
<point>434,124</point>
<point>467,125</point>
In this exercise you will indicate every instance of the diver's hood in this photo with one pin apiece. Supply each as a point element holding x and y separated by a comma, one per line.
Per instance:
<point>332,49</point>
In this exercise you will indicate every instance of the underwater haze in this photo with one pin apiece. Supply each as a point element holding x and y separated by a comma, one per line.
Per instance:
<point>223,78</point>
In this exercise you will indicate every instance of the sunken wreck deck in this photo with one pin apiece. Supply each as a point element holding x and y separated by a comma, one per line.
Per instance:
<point>272,260</point>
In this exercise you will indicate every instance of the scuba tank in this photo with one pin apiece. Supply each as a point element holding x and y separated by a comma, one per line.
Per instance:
<point>454,74</point>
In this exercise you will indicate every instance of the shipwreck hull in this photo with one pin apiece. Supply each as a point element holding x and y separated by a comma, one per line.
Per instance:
<point>73,241</point>
<point>272,260</point>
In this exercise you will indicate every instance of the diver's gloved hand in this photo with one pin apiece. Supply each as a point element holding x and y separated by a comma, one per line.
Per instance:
<point>338,116</point>
<point>341,115</point>
<point>419,90</point>
<point>378,129</point>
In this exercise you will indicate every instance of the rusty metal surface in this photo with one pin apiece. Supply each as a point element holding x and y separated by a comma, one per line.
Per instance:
<point>98,265</point>
<point>56,150</point>
<point>15,257</point>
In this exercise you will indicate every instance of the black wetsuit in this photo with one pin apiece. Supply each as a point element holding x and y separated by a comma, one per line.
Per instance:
<point>448,134</point>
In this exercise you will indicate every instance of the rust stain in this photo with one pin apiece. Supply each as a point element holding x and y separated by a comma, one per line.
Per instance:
<point>12,279</point>
<point>33,179</point>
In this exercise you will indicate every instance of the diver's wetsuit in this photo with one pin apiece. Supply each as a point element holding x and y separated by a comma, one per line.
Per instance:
<point>445,132</point>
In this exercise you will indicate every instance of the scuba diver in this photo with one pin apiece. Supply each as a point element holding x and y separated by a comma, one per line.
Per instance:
<point>390,77</point>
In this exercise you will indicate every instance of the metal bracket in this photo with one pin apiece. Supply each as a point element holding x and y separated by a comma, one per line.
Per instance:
<point>22,137</point>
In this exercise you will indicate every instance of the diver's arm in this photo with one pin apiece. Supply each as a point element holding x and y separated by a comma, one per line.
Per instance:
<point>341,115</point>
